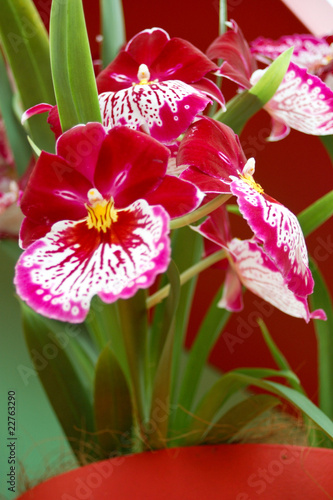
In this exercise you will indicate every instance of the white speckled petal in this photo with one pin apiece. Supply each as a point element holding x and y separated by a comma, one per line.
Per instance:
<point>302,102</point>
<point>279,231</point>
<point>163,109</point>
<point>258,273</point>
<point>59,274</point>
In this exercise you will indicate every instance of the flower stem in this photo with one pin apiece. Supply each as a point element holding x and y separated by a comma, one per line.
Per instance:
<point>186,276</point>
<point>202,211</point>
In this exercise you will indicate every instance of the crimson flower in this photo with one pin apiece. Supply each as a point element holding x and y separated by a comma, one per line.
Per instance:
<point>156,84</point>
<point>97,215</point>
<point>221,167</point>
<point>250,266</point>
<point>302,102</point>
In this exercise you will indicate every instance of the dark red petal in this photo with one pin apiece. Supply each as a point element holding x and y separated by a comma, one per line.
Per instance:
<point>119,74</point>
<point>146,46</point>
<point>130,164</point>
<point>213,148</point>
<point>205,182</point>
<point>31,231</point>
<point>180,60</point>
<point>80,147</point>
<point>54,121</point>
<point>178,197</point>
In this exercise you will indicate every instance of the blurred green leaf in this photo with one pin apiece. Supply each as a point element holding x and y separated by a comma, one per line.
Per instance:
<point>327,141</point>
<point>112,404</point>
<point>316,214</point>
<point>324,329</point>
<point>25,42</point>
<point>239,416</point>
<point>162,382</point>
<point>246,104</point>
<point>113,29</point>
<point>66,371</point>
<point>72,68</point>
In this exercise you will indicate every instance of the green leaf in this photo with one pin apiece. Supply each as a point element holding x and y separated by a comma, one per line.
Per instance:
<point>162,383</point>
<point>316,214</point>
<point>16,136</point>
<point>112,404</point>
<point>210,329</point>
<point>246,104</point>
<point>239,416</point>
<point>321,299</point>
<point>327,141</point>
<point>25,41</point>
<point>72,68</point>
<point>113,29</point>
<point>66,371</point>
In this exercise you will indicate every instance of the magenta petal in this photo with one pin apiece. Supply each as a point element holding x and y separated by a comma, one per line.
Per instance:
<point>279,231</point>
<point>232,298</point>
<point>164,109</point>
<point>213,148</point>
<point>146,46</point>
<point>130,165</point>
<point>178,197</point>
<point>80,146</point>
<point>36,110</point>
<point>302,102</point>
<point>232,47</point>
<point>262,277</point>
<point>279,131</point>
<point>119,74</point>
<point>210,89</point>
<point>59,274</point>
<point>180,60</point>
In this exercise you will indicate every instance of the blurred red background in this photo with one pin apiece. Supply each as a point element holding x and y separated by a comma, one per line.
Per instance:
<point>296,171</point>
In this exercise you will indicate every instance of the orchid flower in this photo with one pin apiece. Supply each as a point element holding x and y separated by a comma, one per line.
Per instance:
<point>250,266</point>
<point>156,84</point>
<point>97,220</point>
<point>310,52</point>
<point>302,102</point>
<point>222,167</point>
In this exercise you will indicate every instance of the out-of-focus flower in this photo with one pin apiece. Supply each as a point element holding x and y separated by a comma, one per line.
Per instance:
<point>224,169</point>
<point>302,102</point>
<point>249,265</point>
<point>97,217</point>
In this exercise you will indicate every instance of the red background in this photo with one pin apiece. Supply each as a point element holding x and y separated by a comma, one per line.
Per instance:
<point>296,171</point>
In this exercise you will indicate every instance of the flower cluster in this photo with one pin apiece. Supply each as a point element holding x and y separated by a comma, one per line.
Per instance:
<point>98,211</point>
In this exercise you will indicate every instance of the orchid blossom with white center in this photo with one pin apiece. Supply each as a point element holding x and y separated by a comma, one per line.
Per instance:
<point>97,220</point>
<point>221,167</point>
<point>302,101</point>
<point>250,266</point>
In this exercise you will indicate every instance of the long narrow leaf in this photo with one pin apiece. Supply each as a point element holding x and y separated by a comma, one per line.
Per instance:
<point>112,405</point>
<point>316,214</point>
<point>113,29</point>
<point>25,41</point>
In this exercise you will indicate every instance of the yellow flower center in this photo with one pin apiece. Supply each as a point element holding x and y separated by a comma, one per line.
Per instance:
<point>101,213</point>
<point>247,175</point>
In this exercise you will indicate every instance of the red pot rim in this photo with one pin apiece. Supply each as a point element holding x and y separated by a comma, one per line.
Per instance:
<point>235,472</point>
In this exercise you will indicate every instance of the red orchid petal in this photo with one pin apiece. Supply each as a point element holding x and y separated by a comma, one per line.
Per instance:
<point>178,197</point>
<point>119,74</point>
<point>31,231</point>
<point>258,273</point>
<point>213,148</point>
<point>36,110</point>
<point>279,231</point>
<point>146,46</point>
<point>59,274</point>
<point>54,121</point>
<point>232,298</point>
<point>216,227</point>
<point>80,146</point>
<point>210,89</point>
<point>232,47</point>
<point>180,60</point>
<point>164,109</point>
<point>130,164</point>
<point>205,182</point>
<point>302,102</point>
<point>55,191</point>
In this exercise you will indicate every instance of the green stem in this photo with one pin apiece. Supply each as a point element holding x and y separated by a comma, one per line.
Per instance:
<point>202,211</point>
<point>185,277</point>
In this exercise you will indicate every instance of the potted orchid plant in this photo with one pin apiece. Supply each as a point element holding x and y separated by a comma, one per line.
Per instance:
<point>136,168</point>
